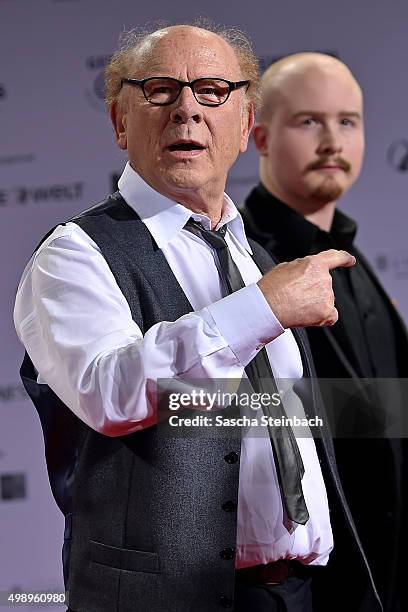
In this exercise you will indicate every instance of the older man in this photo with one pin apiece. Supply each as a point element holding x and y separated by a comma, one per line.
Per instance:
<point>142,287</point>
<point>310,139</point>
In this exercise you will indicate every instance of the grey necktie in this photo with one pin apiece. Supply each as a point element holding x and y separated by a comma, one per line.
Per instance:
<point>289,464</point>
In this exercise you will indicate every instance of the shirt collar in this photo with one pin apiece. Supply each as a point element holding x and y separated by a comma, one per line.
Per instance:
<point>343,229</point>
<point>165,218</point>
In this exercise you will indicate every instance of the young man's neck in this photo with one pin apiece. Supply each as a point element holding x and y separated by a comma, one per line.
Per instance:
<point>323,217</point>
<point>316,212</point>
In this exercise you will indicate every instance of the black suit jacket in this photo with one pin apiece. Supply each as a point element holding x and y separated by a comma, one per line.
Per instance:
<point>371,469</point>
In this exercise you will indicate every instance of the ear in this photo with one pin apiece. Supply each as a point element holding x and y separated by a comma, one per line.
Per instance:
<point>260,136</point>
<point>247,122</point>
<point>118,118</point>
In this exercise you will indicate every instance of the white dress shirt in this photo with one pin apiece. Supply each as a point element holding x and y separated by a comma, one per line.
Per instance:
<point>78,330</point>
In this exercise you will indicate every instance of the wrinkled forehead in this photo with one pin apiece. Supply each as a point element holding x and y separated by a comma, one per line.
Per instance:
<point>186,50</point>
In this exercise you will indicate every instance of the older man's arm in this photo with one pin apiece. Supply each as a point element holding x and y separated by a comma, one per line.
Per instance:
<point>78,330</point>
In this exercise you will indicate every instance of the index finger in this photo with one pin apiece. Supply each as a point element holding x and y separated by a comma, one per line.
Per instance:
<point>337,259</point>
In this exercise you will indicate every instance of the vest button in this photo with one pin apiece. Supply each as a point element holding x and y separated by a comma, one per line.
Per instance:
<point>226,602</point>
<point>227,553</point>
<point>229,506</point>
<point>231,457</point>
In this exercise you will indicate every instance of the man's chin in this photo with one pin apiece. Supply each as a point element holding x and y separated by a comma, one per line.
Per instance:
<point>327,192</point>
<point>184,178</point>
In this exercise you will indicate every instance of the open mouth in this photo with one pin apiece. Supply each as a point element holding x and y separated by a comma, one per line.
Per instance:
<point>186,146</point>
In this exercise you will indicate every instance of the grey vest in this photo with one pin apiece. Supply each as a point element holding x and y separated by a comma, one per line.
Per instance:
<point>151,518</point>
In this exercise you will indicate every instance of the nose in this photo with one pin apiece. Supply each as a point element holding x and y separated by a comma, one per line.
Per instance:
<point>330,142</point>
<point>186,108</point>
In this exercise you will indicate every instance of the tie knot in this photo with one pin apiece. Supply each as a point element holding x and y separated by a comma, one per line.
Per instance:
<point>216,238</point>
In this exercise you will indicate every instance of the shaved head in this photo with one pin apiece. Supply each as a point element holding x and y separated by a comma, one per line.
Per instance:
<point>281,78</point>
<point>310,132</point>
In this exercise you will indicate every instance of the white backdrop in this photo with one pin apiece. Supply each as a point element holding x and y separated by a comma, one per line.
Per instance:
<point>57,156</point>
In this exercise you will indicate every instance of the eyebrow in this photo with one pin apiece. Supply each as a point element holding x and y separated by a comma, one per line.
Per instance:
<point>320,114</point>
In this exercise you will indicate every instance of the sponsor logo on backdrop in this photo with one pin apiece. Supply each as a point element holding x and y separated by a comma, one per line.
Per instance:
<point>397,155</point>
<point>95,93</point>
<point>393,262</point>
<point>3,93</point>
<point>13,486</point>
<point>12,392</point>
<point>25,195</point>
<point>17,158</point>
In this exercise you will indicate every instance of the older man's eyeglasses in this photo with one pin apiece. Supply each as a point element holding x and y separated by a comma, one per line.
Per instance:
<point>207,91</point>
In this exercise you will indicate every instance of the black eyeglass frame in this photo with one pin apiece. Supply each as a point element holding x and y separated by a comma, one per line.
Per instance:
<point>232,86</point>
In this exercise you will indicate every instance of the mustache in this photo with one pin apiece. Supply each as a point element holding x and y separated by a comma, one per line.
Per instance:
<point>338,161</point>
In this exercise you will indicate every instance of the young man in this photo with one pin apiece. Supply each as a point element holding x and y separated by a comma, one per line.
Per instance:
<point>310,138</point>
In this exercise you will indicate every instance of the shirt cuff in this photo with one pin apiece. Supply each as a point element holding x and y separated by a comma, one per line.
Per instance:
<point>246,321</point>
